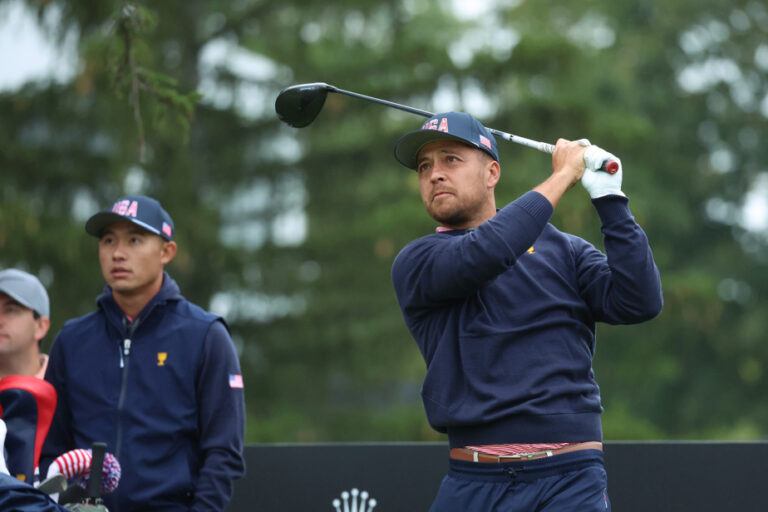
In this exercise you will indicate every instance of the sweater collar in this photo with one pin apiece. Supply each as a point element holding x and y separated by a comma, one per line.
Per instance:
<point>169,291</point>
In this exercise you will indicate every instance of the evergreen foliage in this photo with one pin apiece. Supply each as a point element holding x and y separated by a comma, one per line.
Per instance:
<point>290,234</point>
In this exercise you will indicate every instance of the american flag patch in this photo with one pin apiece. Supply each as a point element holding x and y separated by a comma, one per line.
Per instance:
<point>485,142</point>
<point>235,381</point>
<point>167,229</point>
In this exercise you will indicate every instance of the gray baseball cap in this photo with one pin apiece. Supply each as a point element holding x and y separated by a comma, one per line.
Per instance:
<point>25,289</point>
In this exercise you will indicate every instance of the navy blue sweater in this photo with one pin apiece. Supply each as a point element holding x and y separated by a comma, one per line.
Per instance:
<point>167,409</point>
<point>505,314</point>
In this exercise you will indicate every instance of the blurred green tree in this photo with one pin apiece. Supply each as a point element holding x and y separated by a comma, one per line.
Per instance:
<point>291,234</point>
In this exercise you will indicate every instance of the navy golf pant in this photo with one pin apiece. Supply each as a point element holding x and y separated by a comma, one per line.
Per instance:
<point>574,481</point>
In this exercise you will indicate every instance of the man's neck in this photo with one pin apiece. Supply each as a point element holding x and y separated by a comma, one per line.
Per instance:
<point>27,363</point>
<point>132,303</point>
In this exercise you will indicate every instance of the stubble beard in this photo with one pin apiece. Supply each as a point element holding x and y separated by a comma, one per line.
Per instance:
<point>452,218</point>
<point>458,215</point>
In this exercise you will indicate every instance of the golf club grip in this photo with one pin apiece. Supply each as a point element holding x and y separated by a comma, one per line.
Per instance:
<point>609,166</point>
<point>97,467</point>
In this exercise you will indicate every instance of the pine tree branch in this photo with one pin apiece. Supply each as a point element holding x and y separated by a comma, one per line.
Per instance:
<point>130,64</point>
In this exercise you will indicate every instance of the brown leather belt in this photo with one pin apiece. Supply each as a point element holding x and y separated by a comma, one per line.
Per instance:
<point>473,456</point>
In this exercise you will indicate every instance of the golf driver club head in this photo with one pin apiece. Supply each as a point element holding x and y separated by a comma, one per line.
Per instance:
<point>299,105</point>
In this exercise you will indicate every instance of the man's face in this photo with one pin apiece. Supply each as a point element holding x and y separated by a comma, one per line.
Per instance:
<point>456,183</point>
<point>19,329</point>
<point>132,259</point>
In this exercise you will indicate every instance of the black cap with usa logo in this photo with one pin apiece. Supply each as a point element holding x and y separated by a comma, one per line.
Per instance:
<point>140,210</point>
<point>449,125</point>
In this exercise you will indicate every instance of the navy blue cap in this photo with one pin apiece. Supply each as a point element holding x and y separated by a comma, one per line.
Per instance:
<point>141,210</point>
<point>449,125</point>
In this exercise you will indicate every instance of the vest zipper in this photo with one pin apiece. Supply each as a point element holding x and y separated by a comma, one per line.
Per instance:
<point>125,351</point>
<point>125,359</point>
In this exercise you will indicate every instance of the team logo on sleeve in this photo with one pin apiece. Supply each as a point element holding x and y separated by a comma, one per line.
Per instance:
<point>235,381</point>
<point>161,357</point>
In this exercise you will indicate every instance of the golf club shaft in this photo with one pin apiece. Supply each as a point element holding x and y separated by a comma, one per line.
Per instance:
<point>544,147</point>
<point>398,106</point>
<point>98,450</point>
<point>608,166</point>
<point>541,146</point>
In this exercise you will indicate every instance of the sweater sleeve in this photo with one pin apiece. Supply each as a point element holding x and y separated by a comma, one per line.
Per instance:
<point>17,495</point>
<point>444,267</point>
<point>59,438</point>
<point>623,286</point>
<point>221,420</point>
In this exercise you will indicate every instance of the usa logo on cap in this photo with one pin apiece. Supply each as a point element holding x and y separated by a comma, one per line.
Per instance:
<point>167,229</point>
<point>126,208</point>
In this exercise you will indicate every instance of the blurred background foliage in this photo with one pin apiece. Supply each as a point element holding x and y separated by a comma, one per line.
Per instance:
<point>290,234</point>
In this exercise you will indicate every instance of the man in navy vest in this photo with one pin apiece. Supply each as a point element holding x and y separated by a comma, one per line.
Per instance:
<point>152,375</point>
<point>503,307</point>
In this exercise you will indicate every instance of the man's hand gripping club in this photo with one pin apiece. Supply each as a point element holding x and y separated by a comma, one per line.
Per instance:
<point>574,161</point>
<point>568,166</point>
<point>598,182</point>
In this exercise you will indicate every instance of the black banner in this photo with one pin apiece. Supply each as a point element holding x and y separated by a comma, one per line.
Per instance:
<point>404,477</point>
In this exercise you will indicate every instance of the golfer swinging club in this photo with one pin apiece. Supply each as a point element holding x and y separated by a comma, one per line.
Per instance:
<point>503,307</point>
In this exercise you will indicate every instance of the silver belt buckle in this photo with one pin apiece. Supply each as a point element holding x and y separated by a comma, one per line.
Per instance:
<point>521,456</point>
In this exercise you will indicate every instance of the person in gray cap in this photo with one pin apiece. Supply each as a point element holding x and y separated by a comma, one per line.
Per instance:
<point>24,322</point>
<point>150,374</point>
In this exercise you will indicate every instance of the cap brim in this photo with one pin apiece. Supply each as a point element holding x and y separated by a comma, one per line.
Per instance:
<point>97,223</point>
<point>43,309</point>
<point>408,147</point>
<point>19,299</point>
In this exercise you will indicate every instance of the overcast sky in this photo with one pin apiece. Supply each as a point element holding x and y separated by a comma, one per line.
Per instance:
<point>27,52</point>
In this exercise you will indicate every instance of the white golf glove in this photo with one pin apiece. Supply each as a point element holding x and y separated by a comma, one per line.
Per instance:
<point>600,183</point>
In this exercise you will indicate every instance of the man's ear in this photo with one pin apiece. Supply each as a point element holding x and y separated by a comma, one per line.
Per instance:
<point>494,173</point>
<point>42,324</point>
<point>168,252</point>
